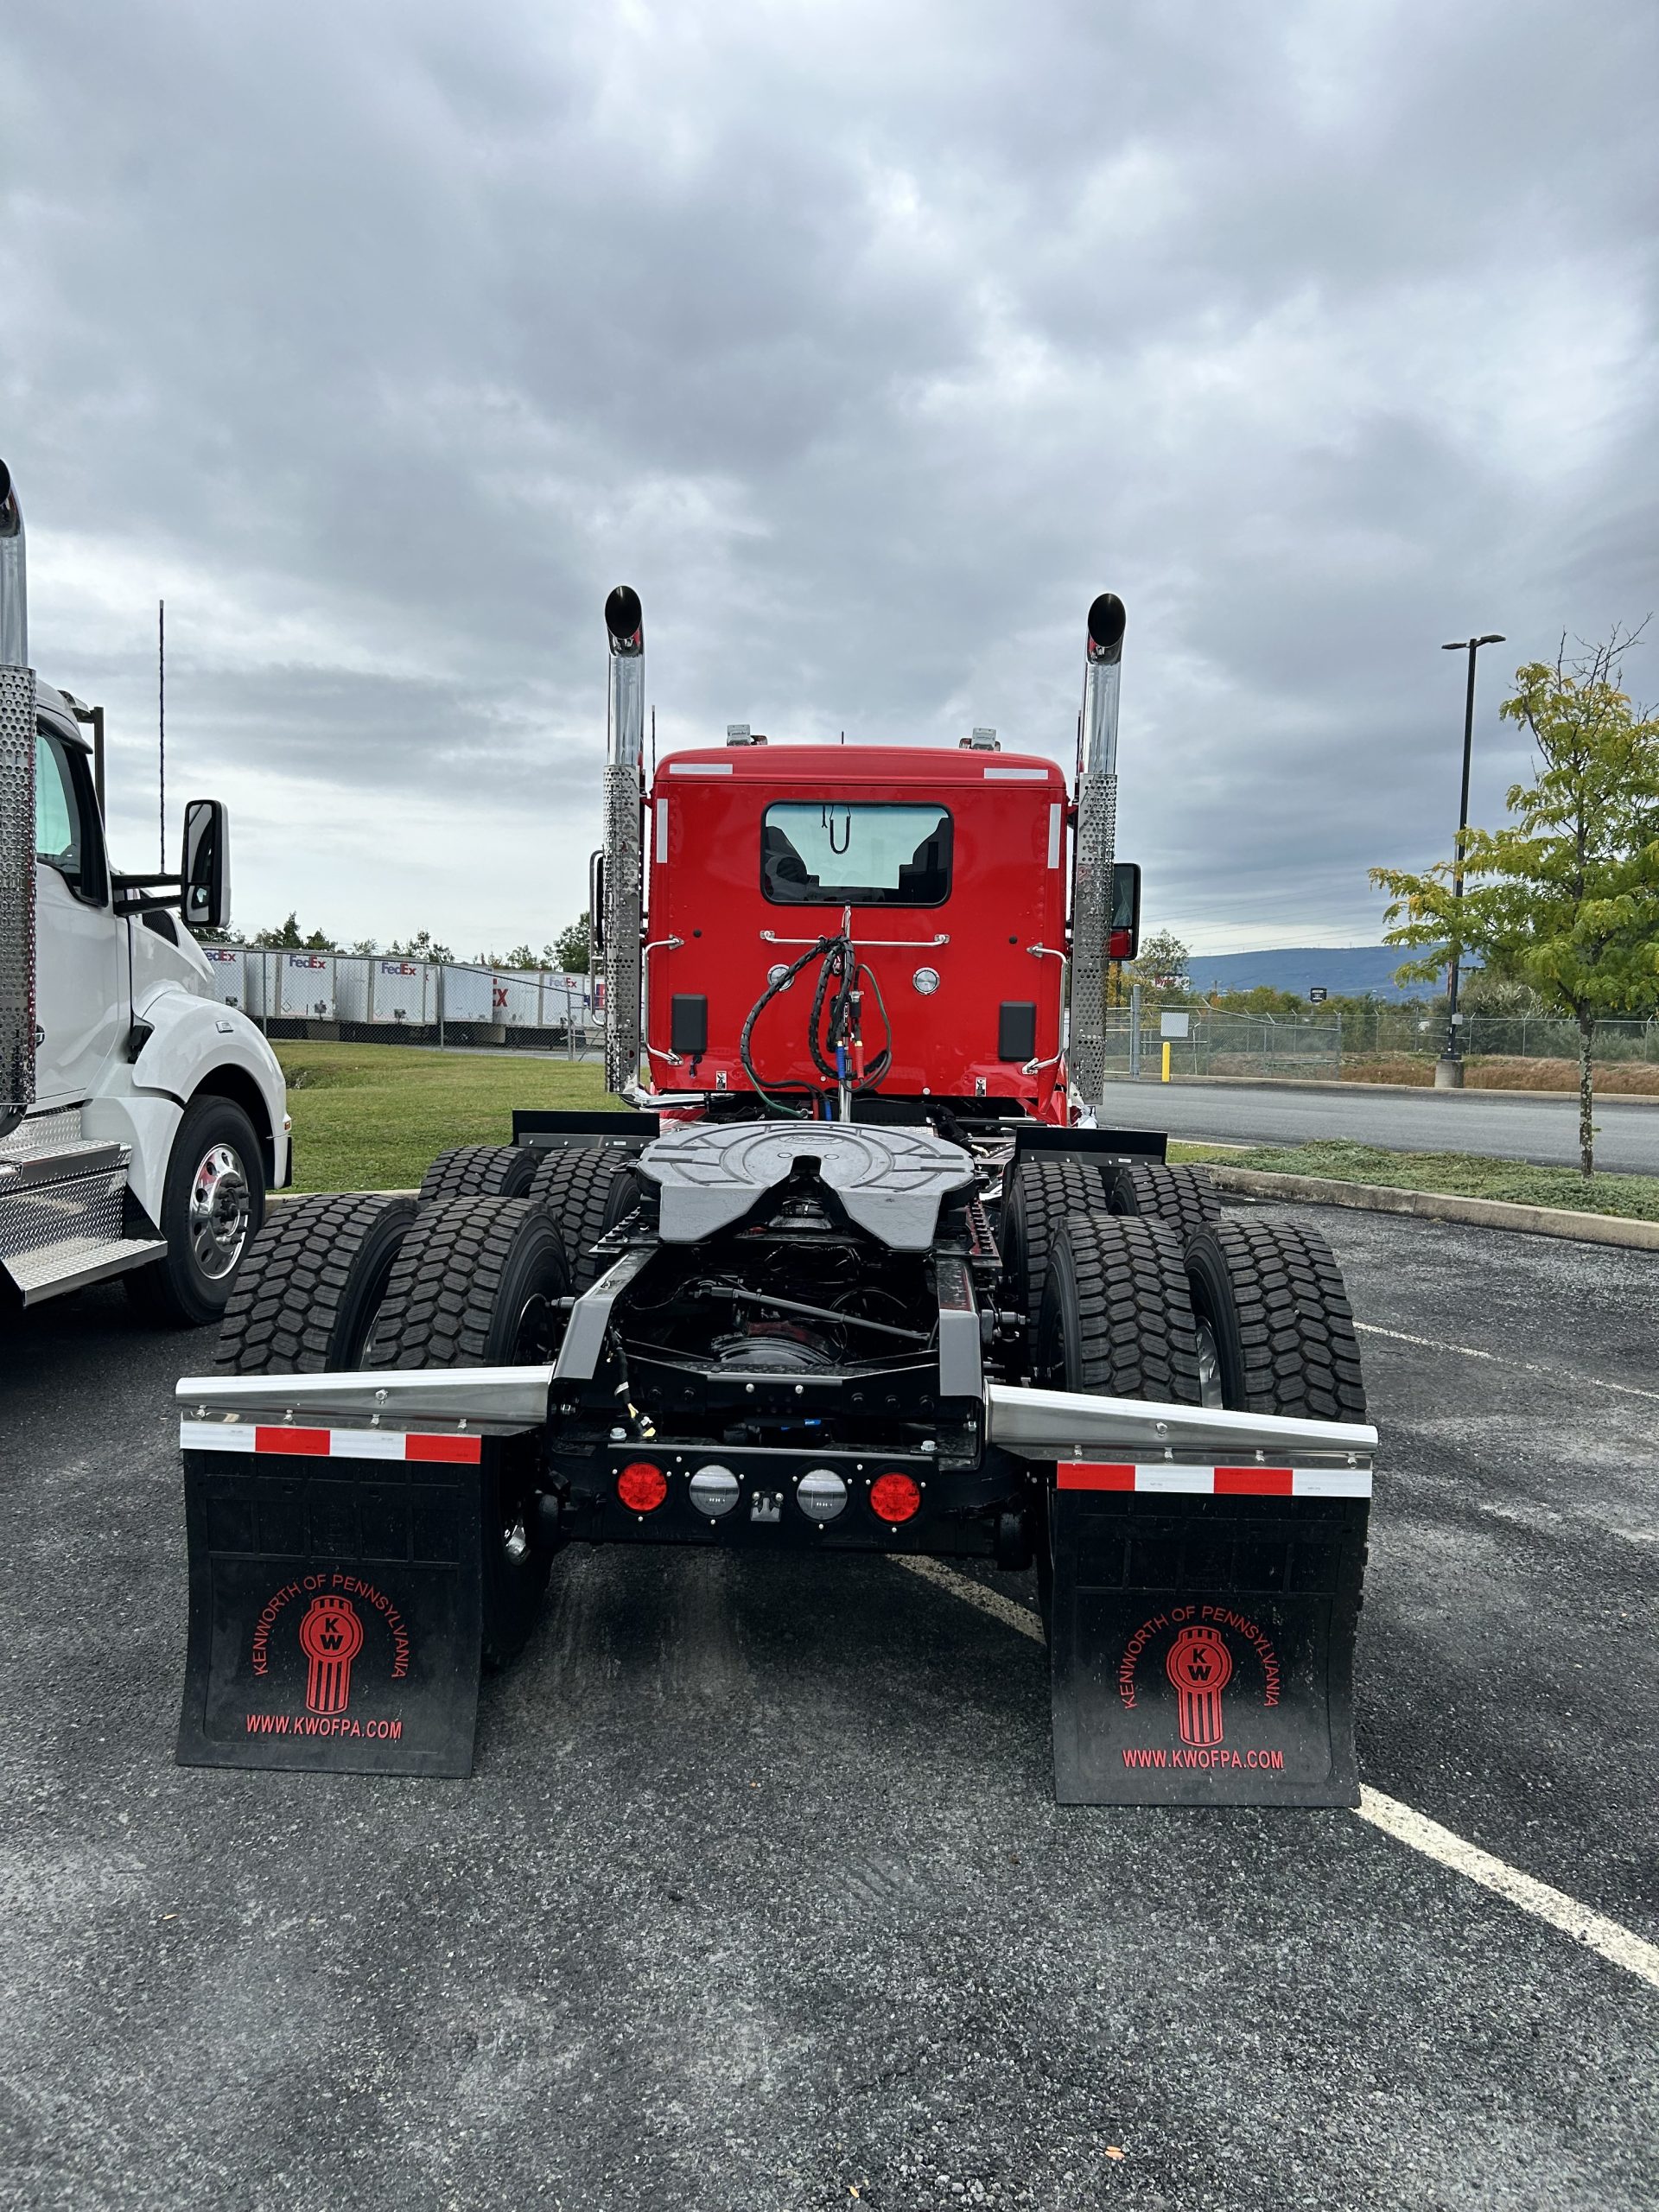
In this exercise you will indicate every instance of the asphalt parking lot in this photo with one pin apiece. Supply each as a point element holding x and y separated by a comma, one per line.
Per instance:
<point>759,1897</point>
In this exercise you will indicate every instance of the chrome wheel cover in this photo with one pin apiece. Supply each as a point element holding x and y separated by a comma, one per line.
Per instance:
<point>221,1208</point>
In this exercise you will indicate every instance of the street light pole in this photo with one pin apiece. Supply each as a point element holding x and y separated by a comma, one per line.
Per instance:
<point>1448,1071</point>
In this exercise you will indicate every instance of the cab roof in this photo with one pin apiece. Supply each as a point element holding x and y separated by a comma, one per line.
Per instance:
<point>818,765</point>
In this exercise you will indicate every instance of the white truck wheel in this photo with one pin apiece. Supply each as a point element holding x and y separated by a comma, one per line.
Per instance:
<point>213,1204</point>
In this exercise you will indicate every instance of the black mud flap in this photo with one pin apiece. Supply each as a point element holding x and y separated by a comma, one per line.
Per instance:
<point>334,1609</point>
<point>1201,1646</point>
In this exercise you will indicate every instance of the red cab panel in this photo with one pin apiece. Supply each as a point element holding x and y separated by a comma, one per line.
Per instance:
<point>952,866</point>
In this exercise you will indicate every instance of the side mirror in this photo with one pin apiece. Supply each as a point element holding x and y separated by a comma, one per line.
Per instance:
<point>596,904</point>
<point>1124,933</point>
<point>205,870</point>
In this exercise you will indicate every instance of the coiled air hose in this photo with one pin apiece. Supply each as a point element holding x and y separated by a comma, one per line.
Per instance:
<point>842,967</point>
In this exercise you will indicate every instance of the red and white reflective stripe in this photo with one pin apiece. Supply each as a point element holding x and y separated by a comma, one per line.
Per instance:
<point>326,1443</point>
<point>1216,1482</point>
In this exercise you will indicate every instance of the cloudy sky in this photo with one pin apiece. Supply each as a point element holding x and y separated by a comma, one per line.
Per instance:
<point>868,340</point>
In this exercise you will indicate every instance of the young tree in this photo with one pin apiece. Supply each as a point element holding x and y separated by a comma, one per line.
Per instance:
<point>1565,899</point>
<point>1162,965</point>
<point>570,947</point>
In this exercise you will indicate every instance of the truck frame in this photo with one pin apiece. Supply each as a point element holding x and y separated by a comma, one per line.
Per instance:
<point>141,1121</point>
<point>850,1268</point>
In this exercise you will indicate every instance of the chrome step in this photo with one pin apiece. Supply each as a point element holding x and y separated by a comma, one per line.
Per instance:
<point>62,1219</point>
<point>88,1156</point>
<point>55,1269</point>
<point>58,1129</point>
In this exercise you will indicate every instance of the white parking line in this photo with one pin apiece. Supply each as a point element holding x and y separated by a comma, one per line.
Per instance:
<point>1618,1945</point>
<point>1614,1942</point>
<point>1523,1366</point>
<point>976,1594</point>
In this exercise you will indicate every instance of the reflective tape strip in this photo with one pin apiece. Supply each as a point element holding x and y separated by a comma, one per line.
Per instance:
<point>328,1443</point>
<point>1017,775</point>
<point>1160,1477</point>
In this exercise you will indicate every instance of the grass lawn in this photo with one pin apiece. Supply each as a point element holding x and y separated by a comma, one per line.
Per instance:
<point>1465,1174</point>
<point>373,1117</point>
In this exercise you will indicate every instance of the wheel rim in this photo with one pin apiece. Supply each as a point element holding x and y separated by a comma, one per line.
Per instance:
<point>1210,1389</point>
<point>221,1208</point>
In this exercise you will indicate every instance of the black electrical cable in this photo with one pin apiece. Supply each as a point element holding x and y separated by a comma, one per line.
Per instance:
<point>781,983</point>
<point>842,966</point>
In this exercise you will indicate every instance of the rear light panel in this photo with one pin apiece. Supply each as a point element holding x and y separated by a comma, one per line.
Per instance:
<point>823,1496</point>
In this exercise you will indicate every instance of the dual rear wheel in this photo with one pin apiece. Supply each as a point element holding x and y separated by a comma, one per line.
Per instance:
<point>1182,1306</point>
<point>369,1280</point>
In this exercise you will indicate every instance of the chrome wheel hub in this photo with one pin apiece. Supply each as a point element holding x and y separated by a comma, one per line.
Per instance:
<point>220,1211</point>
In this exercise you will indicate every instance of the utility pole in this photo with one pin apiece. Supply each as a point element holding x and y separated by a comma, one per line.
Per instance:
<point>1448,1069</point>
<point>160,719</point>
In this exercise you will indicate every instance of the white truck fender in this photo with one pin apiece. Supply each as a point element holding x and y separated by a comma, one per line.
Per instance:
<point>196,1046</point>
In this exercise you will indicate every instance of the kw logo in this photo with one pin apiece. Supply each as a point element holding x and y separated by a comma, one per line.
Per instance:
<point>1200,1666</point>
<point>331,1636</point>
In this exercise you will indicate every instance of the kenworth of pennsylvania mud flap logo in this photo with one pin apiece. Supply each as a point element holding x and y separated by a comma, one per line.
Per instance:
<point>327,1622</point>
<point>1197,1644</point>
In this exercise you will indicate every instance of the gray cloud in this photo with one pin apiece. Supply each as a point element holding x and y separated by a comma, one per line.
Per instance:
<point>868,342</point>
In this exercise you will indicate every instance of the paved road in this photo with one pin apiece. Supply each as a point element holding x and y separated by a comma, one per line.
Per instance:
<point>1511,1124</point>
<point>759,1898</point>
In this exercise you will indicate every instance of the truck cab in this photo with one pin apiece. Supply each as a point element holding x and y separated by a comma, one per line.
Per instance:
<point>141,1122</point>
<point>945,870</point>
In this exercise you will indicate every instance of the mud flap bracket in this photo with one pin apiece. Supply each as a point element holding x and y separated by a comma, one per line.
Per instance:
<point>1202,1643</point>
<point>334,1602</point>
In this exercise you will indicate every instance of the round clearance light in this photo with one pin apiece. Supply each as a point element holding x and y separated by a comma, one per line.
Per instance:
<point>927,981</point>
<point>713,1492</point>
<point>775,976</point>
<point>821,1494</point>
<point>641,1486</point>
<point>895,1498</point>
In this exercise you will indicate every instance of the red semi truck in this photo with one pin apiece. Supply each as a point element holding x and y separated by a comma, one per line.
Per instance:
<point>856,1274</point>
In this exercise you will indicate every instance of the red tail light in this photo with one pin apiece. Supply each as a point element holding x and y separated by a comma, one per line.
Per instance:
<point>641,1486</point>
<point>895,1498</point>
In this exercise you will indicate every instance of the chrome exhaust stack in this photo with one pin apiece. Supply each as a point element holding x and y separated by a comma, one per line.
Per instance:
<point>622,891</point>
<point>16,820</point>
<point>1095,847</point>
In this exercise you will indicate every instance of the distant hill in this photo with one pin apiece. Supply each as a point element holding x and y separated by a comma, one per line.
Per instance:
<point>1346,971</point>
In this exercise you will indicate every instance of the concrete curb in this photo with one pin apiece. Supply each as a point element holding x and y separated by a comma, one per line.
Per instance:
<point>287,1198</point>
<point>1441,1205</point>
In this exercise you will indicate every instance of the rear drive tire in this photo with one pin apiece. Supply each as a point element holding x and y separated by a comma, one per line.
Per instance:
<point>1042,1195</point>
<point>587,1189</point>
<point>480,1171</point>
<point>1116,1322</point>
<point>311,1284</point>
<point>1275,1327</point>
<point>212,1206</point>
<point>1184,1197</point>
<point>477,1282</point>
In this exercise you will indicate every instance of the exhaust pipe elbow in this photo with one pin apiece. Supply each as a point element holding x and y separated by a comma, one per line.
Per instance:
<point>1108,618</point>
<point>625,620</point>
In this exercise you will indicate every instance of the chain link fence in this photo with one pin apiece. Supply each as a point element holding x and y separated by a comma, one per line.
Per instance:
<point>1222,1044</point>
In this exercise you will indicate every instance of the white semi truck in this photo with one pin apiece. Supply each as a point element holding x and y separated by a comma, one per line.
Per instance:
<point>142,1122</point>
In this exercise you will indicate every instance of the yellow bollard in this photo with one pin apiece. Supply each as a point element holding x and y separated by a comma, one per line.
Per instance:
<point>1166,1060</point>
